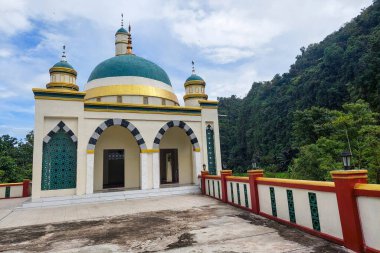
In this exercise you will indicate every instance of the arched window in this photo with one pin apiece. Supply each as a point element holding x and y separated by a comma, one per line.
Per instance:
<point>59,161</point>
<point>210,150</point>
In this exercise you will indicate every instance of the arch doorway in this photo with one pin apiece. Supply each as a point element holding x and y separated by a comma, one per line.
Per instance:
<point>117,160</point>
<point>178,147</point>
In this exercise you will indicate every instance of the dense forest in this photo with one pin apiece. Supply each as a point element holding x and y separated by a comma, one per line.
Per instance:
<point>300,121</point>
<point>282,123</point>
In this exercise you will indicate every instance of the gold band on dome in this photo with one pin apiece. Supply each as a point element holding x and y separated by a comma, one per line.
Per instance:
<point>63,69</point>
<point>133,90</point>
<point>195,82</point>
<point>62,85</point>
<point>195,95</point>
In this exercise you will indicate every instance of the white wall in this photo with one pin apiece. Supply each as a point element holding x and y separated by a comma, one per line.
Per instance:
<point>369,212</point>
<point>242,196</point>
<point>328,217</point>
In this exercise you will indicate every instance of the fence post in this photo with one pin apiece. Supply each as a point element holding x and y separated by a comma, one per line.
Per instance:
<point>345,181</point>
<point>203,181</point>
<point>25,188</point>
<point>253,175</point>
<point>223,175</point>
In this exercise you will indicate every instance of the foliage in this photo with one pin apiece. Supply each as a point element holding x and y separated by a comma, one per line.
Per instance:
<point>354,129</point>
<point>266,124</point>
<point>16,158</point>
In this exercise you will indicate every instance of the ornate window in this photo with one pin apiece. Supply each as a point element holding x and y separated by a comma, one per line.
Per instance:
<point>210,150</point>
<point>59,160</point>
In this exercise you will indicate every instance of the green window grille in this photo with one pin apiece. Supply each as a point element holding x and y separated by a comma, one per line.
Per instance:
<point>273,201</point>
<point>238,193</point>
<point>314,211</point>
<point>232,193</point>
<point>246,196</point>
<point>210,150</point>
<point>213,188</point>
<point>292,213</point>
<point>218,189</point>
<point>59,162</point>
<point>7,192</point>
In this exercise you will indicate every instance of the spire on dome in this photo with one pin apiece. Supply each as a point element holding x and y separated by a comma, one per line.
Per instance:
<point>129,45</point>
<point>193,68</point>
<point>63,54</point>
<point>122,20</point>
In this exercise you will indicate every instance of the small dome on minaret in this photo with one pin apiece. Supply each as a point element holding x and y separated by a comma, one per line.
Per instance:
<point>195,89</point>
<point>63,75</point>
<point>123,40</point>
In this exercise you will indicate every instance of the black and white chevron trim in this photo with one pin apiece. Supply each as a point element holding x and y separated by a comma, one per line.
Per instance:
<point>59,126</point>
<point>116,122</point>
<point>181,124</point>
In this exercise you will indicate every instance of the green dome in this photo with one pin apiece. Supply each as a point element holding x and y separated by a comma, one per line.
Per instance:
<point>194,77</point>
<point>63,64</point>
<point>121,30</point>
<point>129,65</point>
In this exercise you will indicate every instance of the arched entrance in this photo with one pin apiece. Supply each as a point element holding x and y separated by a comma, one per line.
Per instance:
<point>178,159</point>
<point>113,156</point>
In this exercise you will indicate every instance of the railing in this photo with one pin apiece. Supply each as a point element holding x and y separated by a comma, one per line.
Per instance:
<point>346,211</point>
<point>15,190</point>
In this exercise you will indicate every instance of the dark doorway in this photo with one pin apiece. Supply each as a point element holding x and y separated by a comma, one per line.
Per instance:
<point>113,168</point>
<point>169,166</point>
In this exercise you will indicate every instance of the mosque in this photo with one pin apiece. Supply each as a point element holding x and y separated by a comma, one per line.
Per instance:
<point>126,130</point>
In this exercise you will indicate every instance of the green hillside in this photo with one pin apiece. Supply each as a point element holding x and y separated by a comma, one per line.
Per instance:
<point>343,68</point>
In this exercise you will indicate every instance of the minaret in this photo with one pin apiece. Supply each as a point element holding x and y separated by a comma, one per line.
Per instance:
<point>129,46</point>
<point>121,39</point>
<point>195,89</point>
<point>63,75</point>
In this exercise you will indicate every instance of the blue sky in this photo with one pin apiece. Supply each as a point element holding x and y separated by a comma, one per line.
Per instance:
<point>232,42</point>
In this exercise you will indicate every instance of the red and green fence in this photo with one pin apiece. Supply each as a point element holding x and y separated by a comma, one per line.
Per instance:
<point>15,190</point>
<point>345,211</point>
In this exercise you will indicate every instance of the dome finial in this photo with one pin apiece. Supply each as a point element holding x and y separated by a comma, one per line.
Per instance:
<point>122,23</point>
<point>129,46</point>
<point>64,54</point>
<point>193,68</point>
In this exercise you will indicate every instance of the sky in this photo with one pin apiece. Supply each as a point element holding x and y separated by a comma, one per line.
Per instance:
<point>232,42</point>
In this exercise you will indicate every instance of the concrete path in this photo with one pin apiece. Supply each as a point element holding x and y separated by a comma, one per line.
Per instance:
<point>188,223</point>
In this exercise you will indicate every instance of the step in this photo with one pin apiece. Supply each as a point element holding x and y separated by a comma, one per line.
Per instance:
<point>110,196</point>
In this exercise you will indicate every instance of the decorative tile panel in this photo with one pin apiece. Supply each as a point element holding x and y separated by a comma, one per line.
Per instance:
<point>218,189</point>
<point>246,195</point>
<point>232,192</point>
<point>273,201</point>
<point>213,188</point>
<point>238,193</point>
<point>210,150</point>
<point>7,192</point>
<point>314,211</point>
<point>59,162</point>
<point>292,214</point>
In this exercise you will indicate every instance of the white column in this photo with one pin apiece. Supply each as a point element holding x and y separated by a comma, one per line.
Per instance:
<point>90,174</point>
<point>197,165</point>
<point>156,170</point>
<point>144,171</point>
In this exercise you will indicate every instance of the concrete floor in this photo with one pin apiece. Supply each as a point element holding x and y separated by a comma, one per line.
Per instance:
<point>187,223</point>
